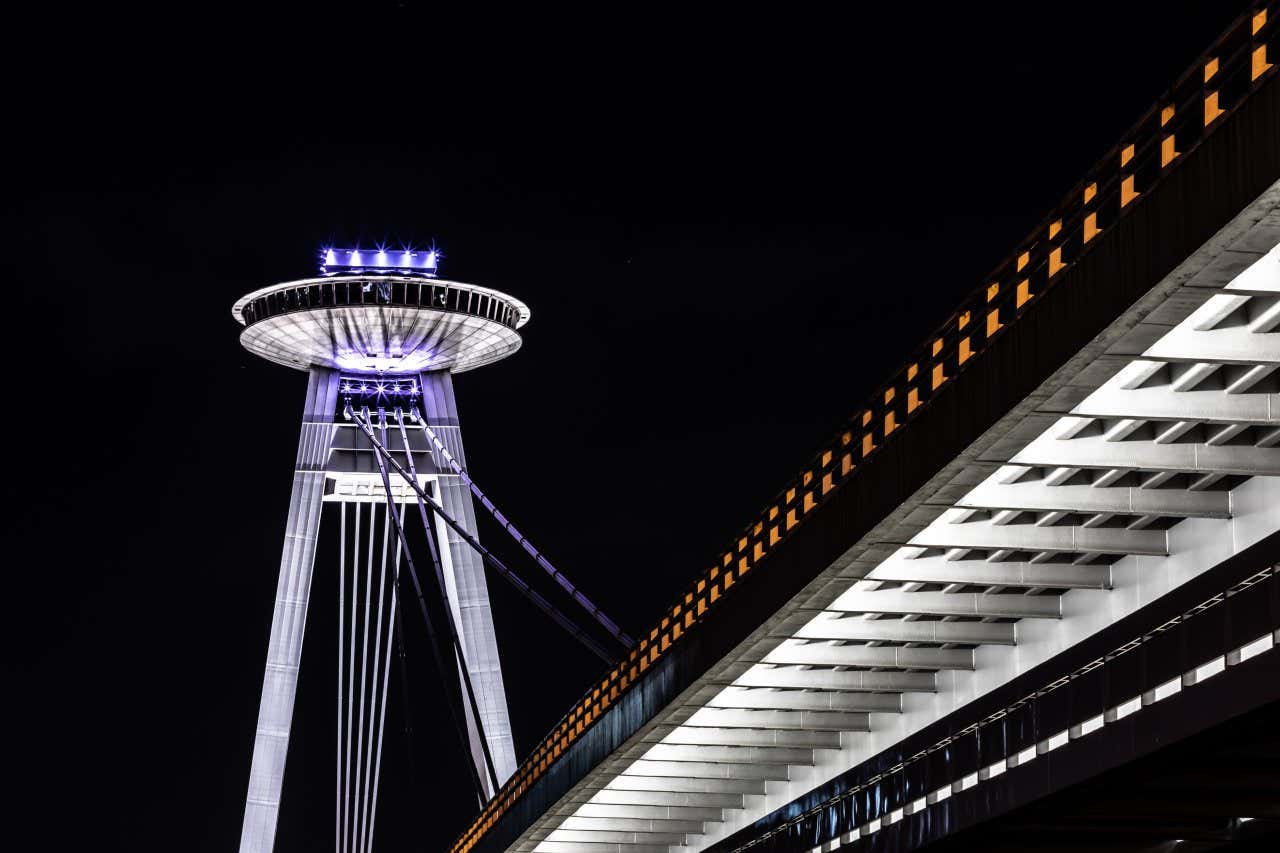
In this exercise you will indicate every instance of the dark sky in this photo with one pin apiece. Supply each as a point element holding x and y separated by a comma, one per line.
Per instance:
<point>729,229</point>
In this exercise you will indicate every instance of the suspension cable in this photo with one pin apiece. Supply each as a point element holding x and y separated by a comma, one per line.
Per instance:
<point>342,637</point>
<point>436,651</point>
<point>382,711</point>
<point>493,562</point>
<point>364,668</point>
<point>367,805</point>
<point>577,595</point>
<point>349,788</point>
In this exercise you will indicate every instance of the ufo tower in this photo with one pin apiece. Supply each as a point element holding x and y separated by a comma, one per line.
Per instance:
<point>376,331</point>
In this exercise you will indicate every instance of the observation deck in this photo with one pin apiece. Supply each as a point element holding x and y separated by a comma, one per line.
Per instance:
<point>376,322</point>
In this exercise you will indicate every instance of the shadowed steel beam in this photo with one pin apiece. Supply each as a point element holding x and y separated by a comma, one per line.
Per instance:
<point>709,770</point>
<point>1038,495</point>
<point>818,654</point>
<point>799,700</point>
<point>668,798</point>
<point>935,570</point>
<point>829,626</point>
<point>649,812</point>
<point>835,721</point>
<point>948,604</point>
<point>1095,452</point>
<point>685,785</point>
<point>1029,537</point>
<point>834,679</point>
<point>729,754</point>
<point>749,737</point>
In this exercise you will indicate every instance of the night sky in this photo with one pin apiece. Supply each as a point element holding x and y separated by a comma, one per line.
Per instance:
<point>729,229</point>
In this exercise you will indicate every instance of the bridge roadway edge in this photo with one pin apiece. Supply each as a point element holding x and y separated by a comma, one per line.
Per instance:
<point>1223,176</point>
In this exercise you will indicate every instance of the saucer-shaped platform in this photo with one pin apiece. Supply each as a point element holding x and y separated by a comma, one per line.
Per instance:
<point>379,323</point>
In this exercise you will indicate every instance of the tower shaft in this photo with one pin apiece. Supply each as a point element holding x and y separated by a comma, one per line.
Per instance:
<point>467,587</point>
<point>289,617</point>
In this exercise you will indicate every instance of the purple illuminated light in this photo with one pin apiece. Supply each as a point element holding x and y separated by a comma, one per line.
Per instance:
<point>348,261</point>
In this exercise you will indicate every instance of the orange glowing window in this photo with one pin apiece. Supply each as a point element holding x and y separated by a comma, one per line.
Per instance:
<point>791,518</point>
<point>846,463</point>
<point>826,460</point>
<point>965,351</point>
<point>1168,150</point>
<point>963,321</point>
<point>1023,295</point>
<point>1259,64</point>
<point>809,502</point>
<point>912,371</point>
<point>993,317</point>
<point>1089,192</point>
<point>1127,190</point>
<point>913,400</point>
<point>773,513</point>
<point>756,554</point>
<point>1166,115</point>
<point>846,438</point>
<point>742,544</point>
<point>791,495</point>
<point>1091,228</point>
<point>807,478</point>
<point>868,445</point>
<point>993,290</point>
<point>1023,260</point>
<point>866,418</point>
<point>1055,228</point>
<point>1126,154</point>
<point>1211,108</point>
<point>888,395</point>
<point>890,423</point>
<point>828,482</point>
<point>938,376</point>
<point>1210,69</point>
<point>774,536</point>
<point>1259,21</point>
<point>755,531</point>
<point>1055,262</point>
<point>725,560</point>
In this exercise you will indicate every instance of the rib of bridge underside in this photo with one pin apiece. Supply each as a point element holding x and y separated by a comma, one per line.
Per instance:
<point>1145,452</point>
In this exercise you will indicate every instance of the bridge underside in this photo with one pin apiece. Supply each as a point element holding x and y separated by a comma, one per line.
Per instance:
<point>1114,459</point>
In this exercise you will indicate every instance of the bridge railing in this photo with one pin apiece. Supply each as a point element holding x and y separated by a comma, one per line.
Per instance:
<point>1238,63</point>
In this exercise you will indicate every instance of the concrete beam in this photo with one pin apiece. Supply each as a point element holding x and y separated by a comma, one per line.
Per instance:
<point>1039,495</point>
<point>819,654</point>
<point>649,812</point>
<point>830,626</point>
<point>832,721</point>
<point>667,798</point>
<point>709,770</point>
<point>799,700</point>
<point>935,570</point>
<point>1095,452</point>
<point>687,752</point>
<point>1031,537</point>
<point>685,785</point>
<point>722,736</point>
<point>834,679</point>
<point>621,824</point>
<point>611,837</point>
<point>598,847</point>
<point>948,604</point>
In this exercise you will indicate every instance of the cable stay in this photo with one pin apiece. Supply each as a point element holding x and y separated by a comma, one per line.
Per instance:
<point>577,595</point>
<point>385,458</point>
<point>452,630</point>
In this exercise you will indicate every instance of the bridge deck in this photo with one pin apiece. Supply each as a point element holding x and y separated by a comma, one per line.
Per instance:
<point>1081,437</point>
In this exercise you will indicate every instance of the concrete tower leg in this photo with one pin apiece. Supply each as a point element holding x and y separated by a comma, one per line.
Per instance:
<point>289,618</point>
<point>468,592</point>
